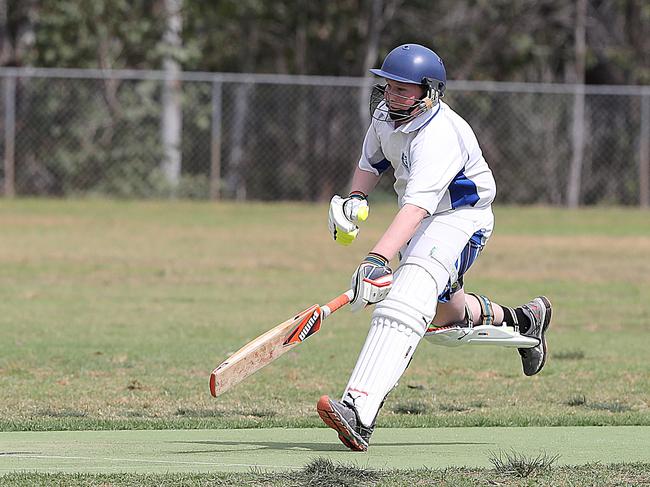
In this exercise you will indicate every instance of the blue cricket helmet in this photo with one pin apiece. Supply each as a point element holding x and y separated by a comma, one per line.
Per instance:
<point>413,63</point>
<point>409,63</point>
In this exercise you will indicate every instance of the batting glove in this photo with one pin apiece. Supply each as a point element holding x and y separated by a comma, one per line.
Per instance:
<point>371,282</point>
<point>345,214</point>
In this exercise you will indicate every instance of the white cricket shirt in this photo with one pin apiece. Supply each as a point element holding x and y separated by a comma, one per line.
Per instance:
<point>436,158</point>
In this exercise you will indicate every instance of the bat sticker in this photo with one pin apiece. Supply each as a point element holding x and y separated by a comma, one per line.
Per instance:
<point>309,325</point>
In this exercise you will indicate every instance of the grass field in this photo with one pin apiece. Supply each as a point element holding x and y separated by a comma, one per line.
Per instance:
<point>114,313</point>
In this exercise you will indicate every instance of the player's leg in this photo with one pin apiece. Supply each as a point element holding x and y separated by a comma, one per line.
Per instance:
<point>453,308</point>
<point>466,309</point>
<point>531,320</point>
<point>471,310</point>
<point>460,309</point>
<point>398,324</point>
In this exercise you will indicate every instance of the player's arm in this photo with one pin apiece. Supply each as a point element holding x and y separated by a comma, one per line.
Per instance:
<point>363,181</point>
<point>400,231</point>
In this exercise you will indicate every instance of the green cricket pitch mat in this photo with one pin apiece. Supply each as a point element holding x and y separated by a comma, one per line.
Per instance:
<point>233,450</point>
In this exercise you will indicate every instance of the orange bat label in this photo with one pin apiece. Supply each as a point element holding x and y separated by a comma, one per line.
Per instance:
<point>309,325</point>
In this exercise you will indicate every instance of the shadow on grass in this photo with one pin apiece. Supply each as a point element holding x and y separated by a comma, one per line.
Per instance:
<point>222,446</point>
<point>613,407</point>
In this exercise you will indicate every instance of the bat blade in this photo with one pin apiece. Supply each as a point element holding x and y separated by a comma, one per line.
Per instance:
<point>265,349</point>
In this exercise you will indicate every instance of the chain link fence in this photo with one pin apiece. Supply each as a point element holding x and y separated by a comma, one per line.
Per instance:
<point>272,137</point>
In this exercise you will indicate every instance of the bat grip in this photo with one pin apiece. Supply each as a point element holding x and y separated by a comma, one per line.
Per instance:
<point>336,303</point>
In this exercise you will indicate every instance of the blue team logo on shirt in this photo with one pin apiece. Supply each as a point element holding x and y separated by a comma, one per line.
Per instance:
<point>405,160</point>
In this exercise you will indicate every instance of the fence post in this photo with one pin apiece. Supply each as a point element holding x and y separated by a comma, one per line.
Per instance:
<point>215,142</point>
<point>9,136</point>
<point>644,152</point>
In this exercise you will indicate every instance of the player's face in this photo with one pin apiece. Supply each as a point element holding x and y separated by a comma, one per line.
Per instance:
<point>401,96</point>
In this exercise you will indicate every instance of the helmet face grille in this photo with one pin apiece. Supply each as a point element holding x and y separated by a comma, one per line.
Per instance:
<point>376,98</point>
<point>379,109</point>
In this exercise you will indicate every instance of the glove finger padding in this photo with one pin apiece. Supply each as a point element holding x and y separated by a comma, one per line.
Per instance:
<point>356,209</point>
<point>345,238</point>
<point>370,283</point>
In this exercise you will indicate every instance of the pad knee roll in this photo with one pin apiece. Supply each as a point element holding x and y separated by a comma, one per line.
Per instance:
<point>414,296</point>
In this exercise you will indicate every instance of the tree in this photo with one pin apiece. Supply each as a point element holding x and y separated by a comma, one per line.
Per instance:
<point>172,115</point>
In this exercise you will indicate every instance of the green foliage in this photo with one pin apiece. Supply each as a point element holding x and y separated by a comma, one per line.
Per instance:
<point>520,464</point>
<point>322,472</point>
<point>89,143</point>
<point>578,400</point>
<point>504,40</point>
<point>315,474</point>
<point>102,33</point>
<point>68,152</point>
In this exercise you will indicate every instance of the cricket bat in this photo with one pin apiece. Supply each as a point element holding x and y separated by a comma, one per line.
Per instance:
<point>272,344</point>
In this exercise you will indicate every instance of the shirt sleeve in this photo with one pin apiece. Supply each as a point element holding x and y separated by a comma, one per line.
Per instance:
<point>372,158</point>
<point>436,159</point>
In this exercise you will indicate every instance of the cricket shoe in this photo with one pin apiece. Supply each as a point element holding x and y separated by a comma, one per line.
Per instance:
<point>344,419</point>
<point>539,312</point>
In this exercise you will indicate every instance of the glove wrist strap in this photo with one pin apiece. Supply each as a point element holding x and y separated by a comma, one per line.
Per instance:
<point>377,259</point>
<point>358,194</point>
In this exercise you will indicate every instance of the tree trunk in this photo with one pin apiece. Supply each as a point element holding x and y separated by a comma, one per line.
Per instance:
<point>5,40</point>
<point>172,116</point>
<point>578,129</point>
<point>235,181</point>
<point>375,25</point>
<point>301,160</point>
<point>644,153</point>
<point>9,89</point>
<point>12,51</point>
<point>215,137</point>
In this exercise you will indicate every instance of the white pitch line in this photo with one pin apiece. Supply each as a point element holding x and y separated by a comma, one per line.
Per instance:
<point>138,460</point>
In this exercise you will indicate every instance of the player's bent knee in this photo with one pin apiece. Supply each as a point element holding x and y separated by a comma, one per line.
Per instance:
<point>413,299</point>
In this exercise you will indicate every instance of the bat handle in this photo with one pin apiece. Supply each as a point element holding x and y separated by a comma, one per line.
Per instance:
<point>336,303</point>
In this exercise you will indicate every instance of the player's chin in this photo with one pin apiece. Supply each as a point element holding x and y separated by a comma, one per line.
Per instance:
<point>399,108</point>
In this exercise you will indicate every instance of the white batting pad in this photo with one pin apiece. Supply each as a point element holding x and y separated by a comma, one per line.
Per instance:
<point>505,336</point>
<point>383,359</point>
<point>413,298</point>
<point>398,324</point>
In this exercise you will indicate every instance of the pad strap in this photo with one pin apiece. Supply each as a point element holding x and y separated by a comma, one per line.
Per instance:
<point>469,318</point>
<point>487,313</point>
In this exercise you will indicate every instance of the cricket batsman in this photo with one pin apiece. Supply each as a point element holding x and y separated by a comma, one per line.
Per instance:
<point>445,191</point>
